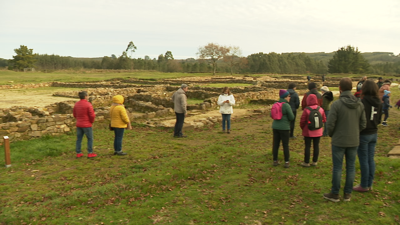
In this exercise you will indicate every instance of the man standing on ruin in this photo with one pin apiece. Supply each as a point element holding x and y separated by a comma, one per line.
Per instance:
<point>84,115</point>
<point>180,102</point>
<point>345,122</point>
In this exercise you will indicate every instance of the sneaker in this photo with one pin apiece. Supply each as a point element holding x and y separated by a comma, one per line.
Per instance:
<point>332,197</point>
<point>305,164</point>
<point>346,197</point>
<point>91,155</point>
<point>314,163</point>
<point>286,165</point>
<point>120,153</point>
<point>360,189</point>
<point>78,155</point>
<point>229,131</point>
<point>276,163</point>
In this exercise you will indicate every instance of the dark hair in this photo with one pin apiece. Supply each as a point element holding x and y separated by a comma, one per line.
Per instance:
<point>311,86</point>
<point>292,85</point>
<point>387,81</point>
<point>345,84</point>
<point>369,88</point>
<point>226,89</point>
<point>82,94</point>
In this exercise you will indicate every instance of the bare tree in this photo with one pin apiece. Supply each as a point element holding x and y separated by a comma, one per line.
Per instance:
<point>131,47</point>
<point>214,52</point>
<point>232,57</point>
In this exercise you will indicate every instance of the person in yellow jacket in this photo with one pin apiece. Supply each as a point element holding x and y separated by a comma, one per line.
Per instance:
<point>119,122</point>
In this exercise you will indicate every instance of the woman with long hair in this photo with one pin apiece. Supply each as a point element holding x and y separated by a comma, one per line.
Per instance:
<point>369,136</point>
<point>226,101</point>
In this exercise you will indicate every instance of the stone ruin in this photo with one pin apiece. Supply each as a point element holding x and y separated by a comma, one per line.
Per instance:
<point>147,101</point>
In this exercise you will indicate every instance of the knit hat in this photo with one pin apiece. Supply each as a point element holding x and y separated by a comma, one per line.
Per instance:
<point>324,89</point>
<point>283,93</point>
<point>386,92</point>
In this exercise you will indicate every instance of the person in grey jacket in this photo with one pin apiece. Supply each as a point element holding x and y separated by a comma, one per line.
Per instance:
<point>345,121</point>
<point>180,103</point>
<point>294,103</point>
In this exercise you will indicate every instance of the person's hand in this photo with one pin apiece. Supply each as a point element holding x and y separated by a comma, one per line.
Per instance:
<point>390,106</point>
<point>129,126</point>
<point>185,114</point>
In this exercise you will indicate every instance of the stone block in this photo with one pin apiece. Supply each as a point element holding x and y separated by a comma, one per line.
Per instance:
<point>34,127</point>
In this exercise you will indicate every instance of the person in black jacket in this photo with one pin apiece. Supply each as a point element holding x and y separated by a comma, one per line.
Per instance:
<point>313,90</point>
<point>294,103</point>
<point>368,136</point>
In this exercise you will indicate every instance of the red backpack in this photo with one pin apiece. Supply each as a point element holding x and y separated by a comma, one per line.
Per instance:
<point>276,110</point>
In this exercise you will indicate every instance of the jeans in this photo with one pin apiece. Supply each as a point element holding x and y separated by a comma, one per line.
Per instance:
<point>337,158</point>
<point>226,118</point>
<point>180,119</point>
<point>80,131</point>
<point>118,135</point>
<point>386,113</point>
<point>307,148</point>
<point>366,152</point>
<point>292,123</point>
<point>325,133</point>
<point>279,135</point>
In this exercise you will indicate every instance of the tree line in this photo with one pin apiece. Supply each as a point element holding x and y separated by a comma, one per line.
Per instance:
<point>211,58</point>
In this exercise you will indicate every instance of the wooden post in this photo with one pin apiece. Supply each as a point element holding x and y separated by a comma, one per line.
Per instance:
<point>7,151</point>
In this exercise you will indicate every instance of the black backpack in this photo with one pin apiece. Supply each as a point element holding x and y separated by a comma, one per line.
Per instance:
<point>314,119</point>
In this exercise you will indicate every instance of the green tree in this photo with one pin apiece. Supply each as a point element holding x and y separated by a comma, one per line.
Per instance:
<point>24,58</point>
<point>214,52</point>
<point>168,56</point>
<point>348,60</point>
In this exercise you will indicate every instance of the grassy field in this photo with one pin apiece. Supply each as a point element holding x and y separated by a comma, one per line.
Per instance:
<point>208,178</point>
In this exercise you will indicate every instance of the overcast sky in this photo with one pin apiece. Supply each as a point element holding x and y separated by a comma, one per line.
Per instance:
<point>97,28</point>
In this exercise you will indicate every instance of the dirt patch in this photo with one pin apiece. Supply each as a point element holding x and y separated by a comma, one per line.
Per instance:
<point>29,98</point>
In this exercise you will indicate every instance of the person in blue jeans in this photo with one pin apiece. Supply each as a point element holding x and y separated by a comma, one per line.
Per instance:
<point>369,136</point>
<point>345,121</point>
<point>226,101</point>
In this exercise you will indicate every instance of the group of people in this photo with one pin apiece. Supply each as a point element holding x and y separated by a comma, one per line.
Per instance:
<point>85,116</point>
<point>352,123</point>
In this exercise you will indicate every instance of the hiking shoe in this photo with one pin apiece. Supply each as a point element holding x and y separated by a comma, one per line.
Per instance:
<point>360,189</point>
<point>346,197</point>
<point>276,163</point>
<point>286,165</point>
<point>332,197</point>
<point>305,164</point>
<point>314,163</point>
<point>120,153</point>
<point>228,132</point>
<point>78,155</point>
<point>91,155</point>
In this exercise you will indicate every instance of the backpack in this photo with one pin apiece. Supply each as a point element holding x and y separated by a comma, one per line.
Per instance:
<point>314,119</point>
<point>276,111</point>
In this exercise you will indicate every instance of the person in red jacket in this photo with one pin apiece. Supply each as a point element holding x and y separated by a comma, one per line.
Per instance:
<point>312,87</point>
<point>84,115</point>
<point>311,135</point>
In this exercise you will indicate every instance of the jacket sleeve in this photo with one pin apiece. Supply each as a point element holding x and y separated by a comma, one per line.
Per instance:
<point>232,100</point>
<point>303,119</point>
<point>91,113</point>
<point>220,101</point>
<point>123,114</point>
<point>297,101</point>
<point>288,111</point>
<point>332,117</point>
<point>183,101</point>
<point>363,119</point>
<point>304,102</point>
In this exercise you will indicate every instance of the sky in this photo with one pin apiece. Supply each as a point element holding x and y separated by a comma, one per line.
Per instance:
<point>97,28</point>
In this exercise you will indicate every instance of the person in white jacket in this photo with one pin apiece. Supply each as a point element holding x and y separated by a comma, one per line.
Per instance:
<point>226,101</point>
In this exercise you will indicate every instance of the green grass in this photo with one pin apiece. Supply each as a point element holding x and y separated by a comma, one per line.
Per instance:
<point>193,101</point>
<point>207,178</point>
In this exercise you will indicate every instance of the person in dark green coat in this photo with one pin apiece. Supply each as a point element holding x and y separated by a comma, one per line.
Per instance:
<point>281,129</point>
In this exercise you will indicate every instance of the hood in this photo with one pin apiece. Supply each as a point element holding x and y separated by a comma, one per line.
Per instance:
<point>119,99</point>
<point>291,91</point>
<point>349,100</point>
<point>312,100</point>
<point>328,95</point>
<point>180,91</point>
<point>373,101</point>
